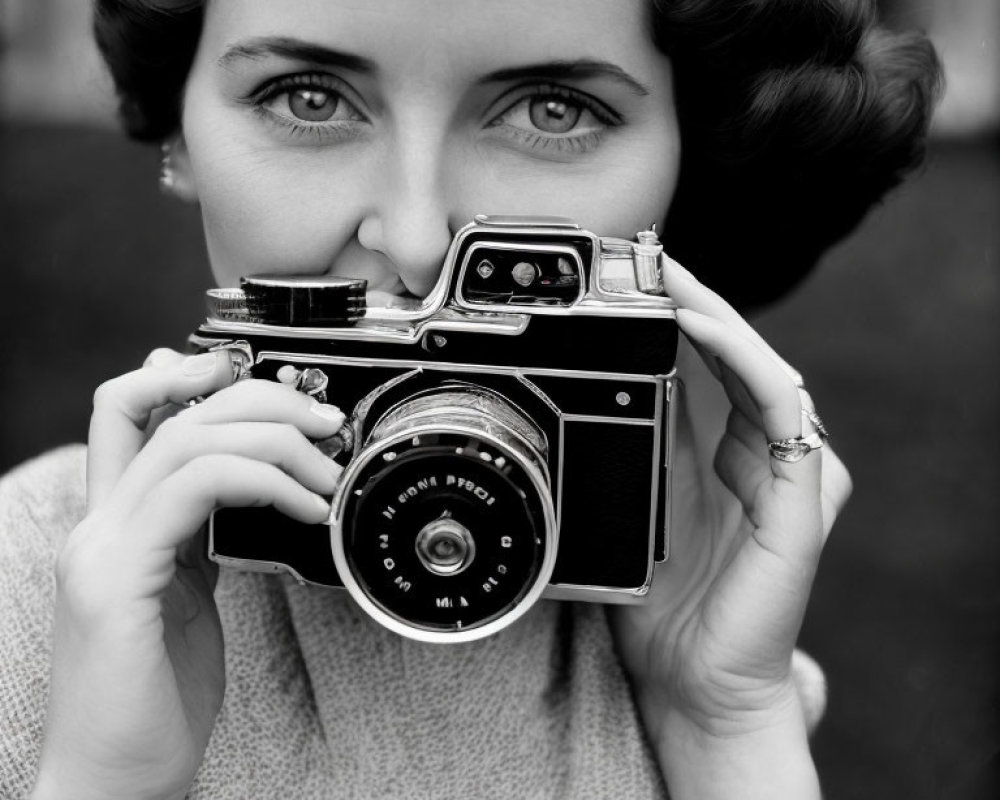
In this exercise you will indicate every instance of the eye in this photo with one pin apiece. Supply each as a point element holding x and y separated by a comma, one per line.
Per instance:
<point>309,99</point>
<point>557,112</point>
<point>311,105</point>
<point>553,115</point>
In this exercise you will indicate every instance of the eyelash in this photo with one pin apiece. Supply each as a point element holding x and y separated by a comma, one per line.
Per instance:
<point>317,81</point>
<point>320,132</point>
<point>539,140</point>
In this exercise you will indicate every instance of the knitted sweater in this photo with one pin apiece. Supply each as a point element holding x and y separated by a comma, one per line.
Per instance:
<point>323,703</point>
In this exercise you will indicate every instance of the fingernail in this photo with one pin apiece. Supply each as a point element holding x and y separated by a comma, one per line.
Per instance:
<point>322,506</point>
<point>287,374</point>
<point>327,412</point>
<point>195,366</point>
<point>333,468</point>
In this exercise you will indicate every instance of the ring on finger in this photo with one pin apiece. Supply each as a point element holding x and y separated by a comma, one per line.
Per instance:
<point>817,423</point>
<point>809,409</point>
<point>796,448</point>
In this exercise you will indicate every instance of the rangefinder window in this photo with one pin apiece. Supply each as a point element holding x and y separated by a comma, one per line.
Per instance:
<point>509,274</point>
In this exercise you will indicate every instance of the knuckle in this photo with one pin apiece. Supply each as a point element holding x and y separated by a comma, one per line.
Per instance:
<point>82,559</point>
<point>160,357</point>
<point>108,393</point>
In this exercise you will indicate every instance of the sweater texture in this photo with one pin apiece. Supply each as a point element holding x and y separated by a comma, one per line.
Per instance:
<point>321,702</point>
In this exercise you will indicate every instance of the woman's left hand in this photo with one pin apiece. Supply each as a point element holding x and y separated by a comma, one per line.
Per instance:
<point>710,649</point>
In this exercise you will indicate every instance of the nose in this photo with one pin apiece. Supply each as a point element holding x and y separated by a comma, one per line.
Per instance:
<point>412,221</point>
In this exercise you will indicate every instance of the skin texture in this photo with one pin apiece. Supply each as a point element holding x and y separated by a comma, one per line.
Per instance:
<point>381,198</point>
<point>413,145</point>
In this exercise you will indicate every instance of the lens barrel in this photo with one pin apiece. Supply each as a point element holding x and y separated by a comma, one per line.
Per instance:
<point>443,526</point>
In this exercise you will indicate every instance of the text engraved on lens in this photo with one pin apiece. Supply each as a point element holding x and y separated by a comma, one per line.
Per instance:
<point>411,491</point>
<point>470,486</point>
<point>449,602</point>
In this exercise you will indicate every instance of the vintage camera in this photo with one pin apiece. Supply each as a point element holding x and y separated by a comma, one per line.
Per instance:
<point>509,436</point>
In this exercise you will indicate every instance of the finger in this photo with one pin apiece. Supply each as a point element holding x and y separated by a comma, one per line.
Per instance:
<point>837,488</point>
<point>743,471</point>
<point>122,408</point>
<point>787,515</point>
<point>740,398</point>
<point>179,505</point>
<point>769,387</point>
<point>742,462</point>
<point>163,357</point>
<point>748,434</point>
<point>288,375</point>
<point>688,292</point>
<point>177,442</point>
<point>772,390</point>
<point>267,401</point>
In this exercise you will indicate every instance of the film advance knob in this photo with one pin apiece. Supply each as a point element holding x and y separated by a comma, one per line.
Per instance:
<point>304,300</point>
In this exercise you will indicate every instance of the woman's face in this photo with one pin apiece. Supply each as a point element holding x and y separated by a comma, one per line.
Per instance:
<point>354,137</point>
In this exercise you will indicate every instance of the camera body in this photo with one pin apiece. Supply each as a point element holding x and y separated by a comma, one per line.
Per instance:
<point>509,437</point>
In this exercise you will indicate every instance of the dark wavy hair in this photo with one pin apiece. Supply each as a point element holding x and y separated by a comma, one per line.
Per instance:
<point>796,116</point>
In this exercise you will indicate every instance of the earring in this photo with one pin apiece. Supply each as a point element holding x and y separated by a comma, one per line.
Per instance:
<point>168,173</point>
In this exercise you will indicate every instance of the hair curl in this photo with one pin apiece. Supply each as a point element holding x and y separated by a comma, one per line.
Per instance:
<point>796,116</point>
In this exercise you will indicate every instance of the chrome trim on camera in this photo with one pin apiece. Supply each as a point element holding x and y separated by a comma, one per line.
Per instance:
<point>608,595</point>
<point>489,369</point>
<point>535,472</point>
<point>618,278</point>
<point>614,288</point>
<point>672,386</point>
<point>654,500</point>
<point>376,327</point>
<point>253,565</point>
<point>525,221</point>
<point>610,420</point>
<point>513,247</point>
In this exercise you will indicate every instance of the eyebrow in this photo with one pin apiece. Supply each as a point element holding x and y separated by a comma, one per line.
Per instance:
<point>287,47</point>
<point>297,49</point>
<point>561,70</point>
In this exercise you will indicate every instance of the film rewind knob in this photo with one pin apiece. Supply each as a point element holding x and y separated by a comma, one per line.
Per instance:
<point>304,301</point>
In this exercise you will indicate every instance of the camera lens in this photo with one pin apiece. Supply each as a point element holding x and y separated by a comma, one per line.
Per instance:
<point>444,526</point>
<point>524,273</point>
<point>445,547</point>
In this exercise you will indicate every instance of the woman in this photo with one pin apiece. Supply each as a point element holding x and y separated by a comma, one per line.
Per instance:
<point>354,139</point>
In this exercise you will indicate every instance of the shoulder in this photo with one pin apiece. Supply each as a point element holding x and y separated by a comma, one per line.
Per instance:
<point>40,502</point>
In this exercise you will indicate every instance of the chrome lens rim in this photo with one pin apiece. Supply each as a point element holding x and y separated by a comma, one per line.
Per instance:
<point>539,483</point>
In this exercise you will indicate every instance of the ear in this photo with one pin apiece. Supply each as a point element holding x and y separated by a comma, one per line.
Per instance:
<point>176,175</point>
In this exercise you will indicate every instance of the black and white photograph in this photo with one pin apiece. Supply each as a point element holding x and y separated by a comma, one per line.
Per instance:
<point>433,399</point>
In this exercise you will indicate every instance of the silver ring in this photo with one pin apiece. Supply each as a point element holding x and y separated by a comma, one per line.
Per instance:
<point>810,413</point>
<point>313,382</point>
<point>798,447</point>
<point>795,449</point>
<point>240,357</point>
<point>817,422</point>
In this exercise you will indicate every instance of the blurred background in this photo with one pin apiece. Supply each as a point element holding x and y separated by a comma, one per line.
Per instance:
<point>896,331</point>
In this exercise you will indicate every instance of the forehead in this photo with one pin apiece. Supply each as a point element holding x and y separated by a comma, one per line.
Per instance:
<point>453,34</point>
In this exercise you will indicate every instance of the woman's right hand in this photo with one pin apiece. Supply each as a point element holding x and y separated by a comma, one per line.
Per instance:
<point>137,664</point>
